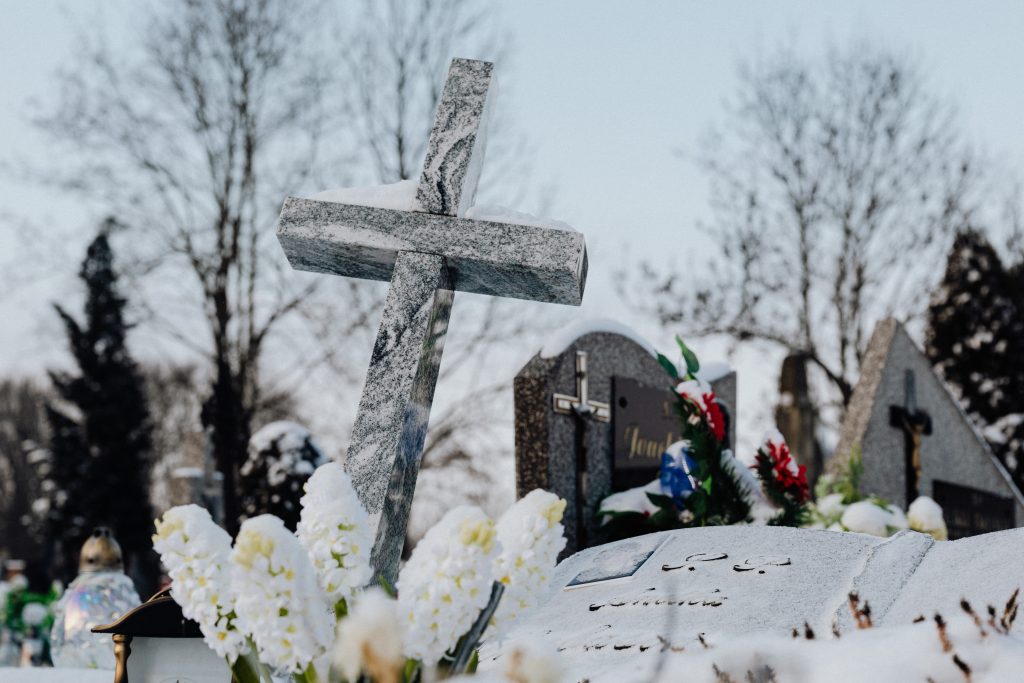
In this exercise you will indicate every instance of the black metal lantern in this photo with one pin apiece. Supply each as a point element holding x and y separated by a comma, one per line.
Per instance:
<point>155,643</point>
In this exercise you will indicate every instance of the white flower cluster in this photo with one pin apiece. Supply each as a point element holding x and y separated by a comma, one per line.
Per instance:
<point>370,639</point>
<point>532,660</point>
<point>531,536</point>
<point>278,599</point>
<point>195,552</point>
<point>446,582</point>
<point>334,528</point>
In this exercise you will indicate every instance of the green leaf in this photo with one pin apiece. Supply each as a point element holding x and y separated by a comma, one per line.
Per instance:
<point>692,364</point>
<point>411,672</point>
<point>245,669</point>
<point>669,366</point>
<point>698,503</point>
<point>660,500</point>
<point>388,588</point>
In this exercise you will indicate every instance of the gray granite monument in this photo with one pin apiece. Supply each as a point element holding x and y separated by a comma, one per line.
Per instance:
<point>427,255</point>
<point>915,440</point>
<point>612,610</point>
<point>593,414</point>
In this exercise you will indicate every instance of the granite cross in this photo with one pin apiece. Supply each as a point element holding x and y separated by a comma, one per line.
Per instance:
<point>427,254</point>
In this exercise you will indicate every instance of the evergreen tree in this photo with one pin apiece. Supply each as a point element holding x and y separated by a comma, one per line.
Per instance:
<point>282,456</point>
<point>105,466</point>
<point>65,481</point>
<point>976,341</point>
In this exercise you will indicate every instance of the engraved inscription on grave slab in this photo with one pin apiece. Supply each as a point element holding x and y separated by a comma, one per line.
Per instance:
<point>744,579</point>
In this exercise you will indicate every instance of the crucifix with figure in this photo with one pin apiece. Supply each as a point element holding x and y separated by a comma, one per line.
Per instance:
<point>582,409</point>
<point>915,424</point>
<point>427,254</point>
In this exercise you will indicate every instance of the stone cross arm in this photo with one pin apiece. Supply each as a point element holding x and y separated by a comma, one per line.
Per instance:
<point>482,257</point>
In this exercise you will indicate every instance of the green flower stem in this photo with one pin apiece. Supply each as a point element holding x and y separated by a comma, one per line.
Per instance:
<point>307,676</point>
<point>247,669</point>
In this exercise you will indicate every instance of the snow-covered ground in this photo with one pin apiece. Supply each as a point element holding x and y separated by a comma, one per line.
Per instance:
<point>915,652</point>
<point>47,675</point>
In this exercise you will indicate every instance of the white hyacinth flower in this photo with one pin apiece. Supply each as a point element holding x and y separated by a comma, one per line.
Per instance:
<point>532,660</point>
<point>370,639</point>
<point>195,552</point>
<point>531,536</point>
<point>446,582</point>
<point>334,528</point>
<point>279,602</point>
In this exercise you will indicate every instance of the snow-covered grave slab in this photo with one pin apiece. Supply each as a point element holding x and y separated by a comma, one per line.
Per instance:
<point>613,608</point>
<point>48,675</point>
<point>421,237</point>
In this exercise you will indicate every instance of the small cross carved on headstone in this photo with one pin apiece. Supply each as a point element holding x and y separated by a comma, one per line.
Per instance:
<point>427,255</point>
<point>580,404</point>
<point>915,424</point>
<point>582,409</point>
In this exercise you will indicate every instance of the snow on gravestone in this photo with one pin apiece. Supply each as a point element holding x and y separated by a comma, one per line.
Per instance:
<point>616,441</point>
<point>611,609</point>
<point>915,440</point>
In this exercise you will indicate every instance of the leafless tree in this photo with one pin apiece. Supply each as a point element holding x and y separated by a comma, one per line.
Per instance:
<point>395,57</point>
<point>836,185</point>
<point>192,136</point>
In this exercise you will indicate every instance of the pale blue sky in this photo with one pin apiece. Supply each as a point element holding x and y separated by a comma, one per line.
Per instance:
<point>608,92</point>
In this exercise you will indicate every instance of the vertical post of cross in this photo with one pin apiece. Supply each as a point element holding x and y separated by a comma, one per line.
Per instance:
<point>391,423</point>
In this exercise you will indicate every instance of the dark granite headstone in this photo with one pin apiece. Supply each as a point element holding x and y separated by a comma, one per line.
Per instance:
<point>583,456</point>
<point>915,440</point>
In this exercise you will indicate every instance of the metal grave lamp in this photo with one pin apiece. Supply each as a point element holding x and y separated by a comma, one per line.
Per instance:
<point>155,643</point>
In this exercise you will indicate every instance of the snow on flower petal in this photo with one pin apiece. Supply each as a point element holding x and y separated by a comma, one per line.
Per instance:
<point>195,552</point>
<point>446,582</point>
<point>531,536</point>
<point>334,528</point>
<point>279,602</point>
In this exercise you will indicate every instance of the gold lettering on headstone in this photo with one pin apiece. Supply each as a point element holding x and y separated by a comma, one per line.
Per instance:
<point>643,447</point>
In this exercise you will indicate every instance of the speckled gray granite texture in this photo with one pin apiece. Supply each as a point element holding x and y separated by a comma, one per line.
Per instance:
<point>455,150</point>
<point>731,581</point>
<point>391,424</point>
<point>499,259</point>
<point>545,441</point>
<point>954,452</point>
<point>427,255</point>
